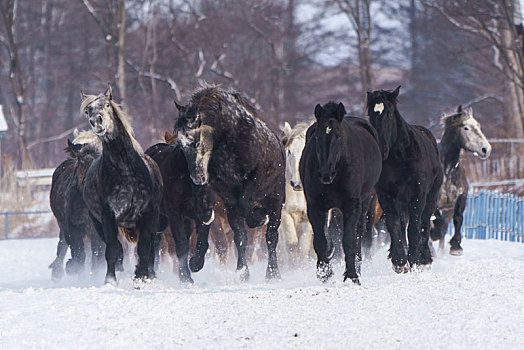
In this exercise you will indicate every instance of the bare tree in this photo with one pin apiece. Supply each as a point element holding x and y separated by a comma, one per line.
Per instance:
<point>8,11</point>
<point>497,22</point>
<point>357,12</point>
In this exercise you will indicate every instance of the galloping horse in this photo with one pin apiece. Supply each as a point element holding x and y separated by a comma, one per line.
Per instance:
<point>183,203</point>
<point>410,181</point>
<point>123,187</point>
<point>295,232</point>
<point>339,167</point>
<point>227,146</point>
<point>461,132</point>
<point>69,207</point>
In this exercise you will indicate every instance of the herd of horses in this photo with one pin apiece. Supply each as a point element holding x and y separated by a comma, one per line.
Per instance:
<point>223,162</point>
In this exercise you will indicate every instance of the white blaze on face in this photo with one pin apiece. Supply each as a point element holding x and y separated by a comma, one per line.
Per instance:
<point>328,130</point>
<point>379,107</point>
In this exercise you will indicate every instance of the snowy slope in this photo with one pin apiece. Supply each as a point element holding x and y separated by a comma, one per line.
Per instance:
<point>474,301</point>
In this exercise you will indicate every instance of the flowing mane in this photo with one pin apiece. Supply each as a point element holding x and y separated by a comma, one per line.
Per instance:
<point>119,113</point>
<point>454,119</point>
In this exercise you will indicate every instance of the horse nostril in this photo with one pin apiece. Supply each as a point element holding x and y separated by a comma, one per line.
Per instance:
<point>92,122</point>
<point>484,150</point>
<point>99,119</point>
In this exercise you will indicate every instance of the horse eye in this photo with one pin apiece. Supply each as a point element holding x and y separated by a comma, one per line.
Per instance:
<point>197,144</point>
<point>86,112</point>
<point>107,105</point>
<point>466,128</point>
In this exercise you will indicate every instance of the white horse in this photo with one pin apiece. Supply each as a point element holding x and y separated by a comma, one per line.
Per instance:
<point>295,232</point>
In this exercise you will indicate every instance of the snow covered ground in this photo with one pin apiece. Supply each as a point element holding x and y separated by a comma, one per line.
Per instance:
<point>473,301</point>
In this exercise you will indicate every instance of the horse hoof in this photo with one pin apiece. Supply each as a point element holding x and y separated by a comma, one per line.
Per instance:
<point>185,278</point>
<point>456,250</point>
<point>324,271</point>
<point>402,268</point>
<point>196,264</point>
<point>272,274</point>
<point>73,268</point>
<point>243,274</point>
<point>110,280</point>
<point>353,278</point>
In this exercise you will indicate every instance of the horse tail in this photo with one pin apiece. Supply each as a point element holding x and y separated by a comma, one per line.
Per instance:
<point>129,234</point>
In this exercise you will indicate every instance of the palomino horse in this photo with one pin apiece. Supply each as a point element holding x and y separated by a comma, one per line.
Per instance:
<point>461,132</point>
<point>123,187</point>
<point>410,181</point>
<point>339,168</point>
<point>227,146</point>
<point>69,207</point>
<point>295,232</point>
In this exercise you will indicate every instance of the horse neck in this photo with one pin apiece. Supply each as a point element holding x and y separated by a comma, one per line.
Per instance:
<point>449,150</point>
<point>119,148</point>
<point>402,131</point>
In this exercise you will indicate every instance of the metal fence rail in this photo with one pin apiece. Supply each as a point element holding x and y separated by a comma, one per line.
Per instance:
<point>493,215</point>
<point>6,215</point>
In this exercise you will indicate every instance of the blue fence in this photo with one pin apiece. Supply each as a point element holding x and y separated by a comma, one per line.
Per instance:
<point>493,215</point>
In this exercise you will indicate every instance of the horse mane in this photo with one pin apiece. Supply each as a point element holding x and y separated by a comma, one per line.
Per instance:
<point>454,119</point>
<point>299,130</point>
<point>208,94</point>
<point>120,114</point>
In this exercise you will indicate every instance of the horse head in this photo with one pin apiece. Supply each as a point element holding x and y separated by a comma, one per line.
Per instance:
<point>328,137</point>
<point>467,131</point>
<point>196,140</point>
<point>381,109</point>
<point>99,112</point>
<point>294,140</point>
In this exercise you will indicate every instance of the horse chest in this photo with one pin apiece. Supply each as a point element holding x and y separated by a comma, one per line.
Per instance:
<point>127,198</point>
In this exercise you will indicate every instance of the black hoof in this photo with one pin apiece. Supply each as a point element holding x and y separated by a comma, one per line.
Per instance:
<point>456,250</point>
<point>243,274</point>
<point>111,280</point>
<point>324,271</point>
<point>272,274</point>
<point>196,263</point>
<point>405,268</point>
<point>352,276</point>
<point>73,268</point>
<point>185,277</point>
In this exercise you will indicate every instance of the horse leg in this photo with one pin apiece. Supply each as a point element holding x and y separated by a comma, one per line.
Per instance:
<point>317,218</point>
<point>460,206</point>
<point>57,269</point>
<point>305,240</point>
<point>272,271</point>
<point>393,224</point>
<point>97,251</point>
<point>196,263</point>
<point>113,247</point>
<point>351,242</point>
<point>236,222</point>
<point>366,225</point>
<point>414,230</point>
<point>180,236</point>
<point>288,242</point>
<point>74,239</point>
<point>430,207</point>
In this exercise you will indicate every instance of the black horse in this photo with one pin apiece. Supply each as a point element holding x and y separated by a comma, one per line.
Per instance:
<point>339,167</point>
<point>461,132</point>
<point>410,181</point>
<point>227,146</point>
<point>183,203</point>
<point>70,210</point>
<point>123,187</point>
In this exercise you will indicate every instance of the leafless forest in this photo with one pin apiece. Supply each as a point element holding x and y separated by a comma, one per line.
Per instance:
<point>285,55</point>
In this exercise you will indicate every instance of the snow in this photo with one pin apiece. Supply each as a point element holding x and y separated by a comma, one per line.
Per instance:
<point>473,301</point>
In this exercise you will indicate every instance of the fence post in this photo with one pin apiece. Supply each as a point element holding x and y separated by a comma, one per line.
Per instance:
<point>6,225</point>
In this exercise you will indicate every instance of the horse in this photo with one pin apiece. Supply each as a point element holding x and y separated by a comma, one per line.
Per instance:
<point>461,132</point>
<point>228,147</point>
<point>295,232</point>
<point>409,185</point>
<point>183,203</point>
<point>339,168</point>
<point>69,207</point>
<point>123,187</point>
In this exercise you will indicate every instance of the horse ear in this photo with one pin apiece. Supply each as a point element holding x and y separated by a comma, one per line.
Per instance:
<point>284,139</point>
<point>318,111</point>
<point>82,95</point>
<point>178,107</point>
<point>459,109</point>
<point>75,133</point>
<point>287,128</point>
<point>395,93</point>
<point>469,111</point>
<point>69,143</point>
<point>341,111</point>
<point>109,92</point>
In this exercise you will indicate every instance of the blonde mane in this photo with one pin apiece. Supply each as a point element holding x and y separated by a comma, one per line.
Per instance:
<point>120,114</point>
<point>87,137</point>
